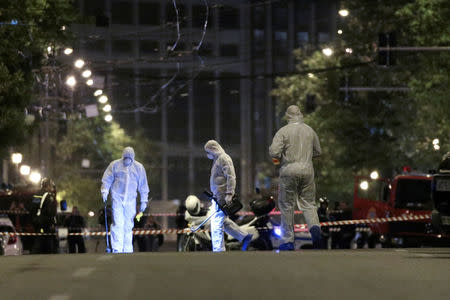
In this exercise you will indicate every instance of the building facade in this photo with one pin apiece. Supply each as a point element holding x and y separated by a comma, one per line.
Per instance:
<point>180,96</point>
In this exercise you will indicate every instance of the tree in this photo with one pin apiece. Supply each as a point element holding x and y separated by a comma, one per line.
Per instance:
<point>27,28</point>
<point>362,131</point>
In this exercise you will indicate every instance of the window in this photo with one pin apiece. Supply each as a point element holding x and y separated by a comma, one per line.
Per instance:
<point>122,13</point>
<point>280,16</point>
<point>324,37</point>
<point>414,194</point>
<point>259,17</point>
<point>178,174</point>
<point>204,108</point>
<point>149,13</point>
<point>302,38</point>
<point>229,50</point>
<point>95,46</point>
<point>122,47</point>
<point>229,18</point>
<point>199,16</point>
<point>148,47</point>
<point>171,15</point>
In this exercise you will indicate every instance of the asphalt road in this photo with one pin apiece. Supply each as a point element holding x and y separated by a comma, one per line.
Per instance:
<point>341,274</point>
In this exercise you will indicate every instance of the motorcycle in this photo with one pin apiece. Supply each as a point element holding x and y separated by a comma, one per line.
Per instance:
<point>259,225</point>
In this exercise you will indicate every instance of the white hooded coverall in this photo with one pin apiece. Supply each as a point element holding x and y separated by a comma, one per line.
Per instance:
<point>124,182</point>
<point>222,182</point>
<point>295,145</point>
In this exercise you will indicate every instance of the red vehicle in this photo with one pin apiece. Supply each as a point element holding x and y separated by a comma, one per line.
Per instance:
<point>405,195</point>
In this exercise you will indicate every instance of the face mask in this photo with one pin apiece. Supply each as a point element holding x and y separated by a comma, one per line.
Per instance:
<point>127,161</point>
<point>210,156</point>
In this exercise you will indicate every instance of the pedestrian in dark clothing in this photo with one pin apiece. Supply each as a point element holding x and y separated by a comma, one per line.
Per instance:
<point>76,223</point>
<point>44,218</point>
<point>322,212</point>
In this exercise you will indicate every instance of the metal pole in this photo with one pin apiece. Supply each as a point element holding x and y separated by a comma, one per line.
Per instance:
<point>374,89</point>
<point>414,49</point>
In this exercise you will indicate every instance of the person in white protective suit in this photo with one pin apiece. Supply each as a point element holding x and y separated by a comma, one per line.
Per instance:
<point>294,147</point>
<point>223,185</point>
<point>124,177</point>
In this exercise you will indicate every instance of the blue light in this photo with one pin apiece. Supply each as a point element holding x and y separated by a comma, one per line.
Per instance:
<point>277,231</point>
<point>14,22</point>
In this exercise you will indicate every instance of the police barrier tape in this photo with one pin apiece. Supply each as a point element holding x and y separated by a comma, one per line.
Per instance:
<point>297,227</point>
<point>242,213</point>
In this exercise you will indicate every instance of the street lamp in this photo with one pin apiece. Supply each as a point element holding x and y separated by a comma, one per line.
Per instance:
<point>103,99</point>
<point>339,31</point>
<point>16,158</point>
<point>98,93</point>
<point>68,51</point>
<point>436,147</point>
<point>435,141</point>
<point>327,51</point>
<point>107,108</point>
<point>310,75</point>
<point>79,63</point>
<point>91,214</point>
<point>86,73</point>
<point>35,177</point>
<point>374,175</point>
<point>364,185</point>
<point>90,82</point>
<point>71,81</point>
<point>349,50</point>
<point>343,13</point>
<point>25,170</point>
<point>108,118</point>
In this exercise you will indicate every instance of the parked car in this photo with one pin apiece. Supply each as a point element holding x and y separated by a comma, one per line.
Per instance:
<point>10,245</point>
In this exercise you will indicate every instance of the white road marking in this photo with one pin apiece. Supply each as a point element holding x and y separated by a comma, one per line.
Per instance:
<point>82,272</point>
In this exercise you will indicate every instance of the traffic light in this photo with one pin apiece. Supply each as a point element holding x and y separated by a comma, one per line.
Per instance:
<point>386,39</point>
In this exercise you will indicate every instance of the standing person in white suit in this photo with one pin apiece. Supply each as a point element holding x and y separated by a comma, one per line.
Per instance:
<point>124,177</point>
<point>223,185</point>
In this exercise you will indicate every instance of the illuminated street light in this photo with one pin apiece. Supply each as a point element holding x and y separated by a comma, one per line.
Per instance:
<point>63,28</point>
<point>310,75</point>
<point>49,49</point>
<point>364,185</point>
<point>339,31</point>
<point>71,81</point>
<point>436,147</point>
<point>107,108</point>
<point>98,93</point>
<point>16,158</point>
<point>68,51</point>
<point>86,73</point>
<point>374,175</point>
<point>327,51</point>
<point>91,214</point>
<point>103,99</point>
<point>35,177</point>
<point>90,82</point>
<point>108,118</point>
<point>79,63</point>
<point>435,141</point>
<point>343,13</point>
<point>349,50</point>
<point>25,170</point>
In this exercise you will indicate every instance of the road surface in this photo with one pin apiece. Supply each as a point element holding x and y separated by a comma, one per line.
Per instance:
<point>341,274</point>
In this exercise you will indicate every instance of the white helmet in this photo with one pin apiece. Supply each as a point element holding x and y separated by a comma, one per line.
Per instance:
<point>193,204</point>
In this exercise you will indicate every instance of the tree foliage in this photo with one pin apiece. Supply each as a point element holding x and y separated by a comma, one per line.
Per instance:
<point>363,131</point>
<point>28,28</point>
